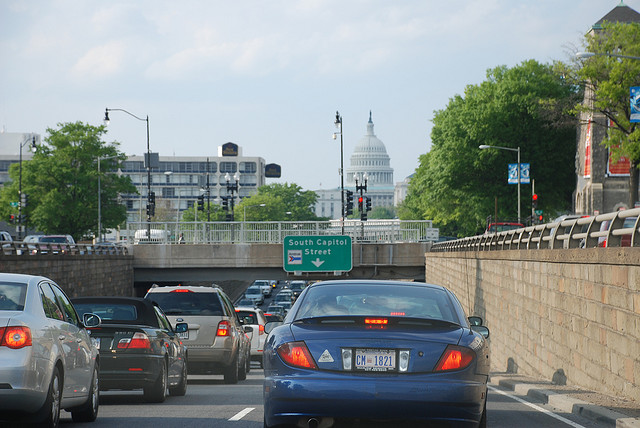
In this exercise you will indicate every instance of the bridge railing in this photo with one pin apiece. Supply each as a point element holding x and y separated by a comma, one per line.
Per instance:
<point>52,248</point>
<point>617,229</point>
<point>275,232</point>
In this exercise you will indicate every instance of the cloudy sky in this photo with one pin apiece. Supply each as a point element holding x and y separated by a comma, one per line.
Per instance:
<point>268,75</point>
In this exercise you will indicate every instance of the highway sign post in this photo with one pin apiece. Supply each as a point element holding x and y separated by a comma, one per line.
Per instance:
<point>314,253</point>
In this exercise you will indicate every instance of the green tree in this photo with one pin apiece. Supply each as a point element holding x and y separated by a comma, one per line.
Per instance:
<point>216,213</point>
<point>457,185</point>
<point>281,199</point>
<point>607,80</point>
<point>62,182</point>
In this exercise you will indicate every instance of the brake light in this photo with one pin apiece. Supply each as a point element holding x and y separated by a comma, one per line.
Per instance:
<point>261,328</point>
<point>223,328</point>
<point>15,337</point>
<point>296,354</point>
<point>138,341</point>
<point>379,323</point>
<point>181,290</point>
<point>455,358</point>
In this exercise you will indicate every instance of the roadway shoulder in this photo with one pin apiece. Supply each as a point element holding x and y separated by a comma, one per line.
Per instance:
<point>605,409</point>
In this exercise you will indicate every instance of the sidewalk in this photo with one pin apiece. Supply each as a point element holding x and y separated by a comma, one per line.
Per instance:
<point>610,411</point>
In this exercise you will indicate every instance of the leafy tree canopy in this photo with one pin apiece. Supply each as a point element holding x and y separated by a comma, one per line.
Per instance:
<point>458,186</point>
<point>61,182</point>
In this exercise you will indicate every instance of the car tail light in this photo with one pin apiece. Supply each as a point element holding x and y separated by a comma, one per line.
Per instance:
<point>296,354</point>
<point>181,290</point>
<point>261,328</point>
<point>138,341</point>
<point>455,358</point>
<point>223,328</point>
<point>15,337</point>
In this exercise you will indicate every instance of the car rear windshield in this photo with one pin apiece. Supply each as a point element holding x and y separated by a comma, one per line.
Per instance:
<point>378,300</point>
<point>54,239</point>
<point>188,303</point>
<point>12,296</point>
<point>254,290</point>
<point>109,311</point>
<point>248,317</point>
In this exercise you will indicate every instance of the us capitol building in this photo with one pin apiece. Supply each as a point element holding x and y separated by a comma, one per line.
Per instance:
<point>369,157</point>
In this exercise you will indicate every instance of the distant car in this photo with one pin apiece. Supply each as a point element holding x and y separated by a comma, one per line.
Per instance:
<point>47,359</point>
<point>245,302</point>
<point>276,309</point>
<point>139,349</point>
<point>366,350</point>
<point>5,237</point>
<point>254,317</point>
<point>284,295</point>
<point>254,293</point>
<point>501,226</point>
<point>264,286</point>
<point>625,240</point>
<point>57,243</point>
<point>273,318</point>
<point>296,287</point>
<point>215,339</point>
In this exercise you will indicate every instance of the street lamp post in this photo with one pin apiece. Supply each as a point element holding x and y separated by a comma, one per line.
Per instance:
<point>23,198</point>
<point>484,146</point>
<point>231,188</point>
<point>591,54</point>
<point>338,123</point>
<point>149,196</point>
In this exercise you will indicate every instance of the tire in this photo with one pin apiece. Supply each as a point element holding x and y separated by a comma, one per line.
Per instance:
<point>231,372</point>
<point>483,419</point>
<point>248,362</point>
<point>88,412</point>
<point>181,388</point>
<point>242,369</point>
<point>51,407</point>
<point>157,392</point>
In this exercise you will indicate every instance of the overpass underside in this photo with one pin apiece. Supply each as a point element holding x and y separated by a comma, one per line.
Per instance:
<point>222,262</point>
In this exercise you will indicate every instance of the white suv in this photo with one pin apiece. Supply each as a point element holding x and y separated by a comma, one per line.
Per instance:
<point>216,340</point>
<point>255,318</point>
<point>264,285</point>
<point>255,293</point>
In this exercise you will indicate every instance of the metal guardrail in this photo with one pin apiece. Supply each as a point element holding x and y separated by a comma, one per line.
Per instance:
<point>274,232</point>
<point>52,248</point>
<point>617,229</point>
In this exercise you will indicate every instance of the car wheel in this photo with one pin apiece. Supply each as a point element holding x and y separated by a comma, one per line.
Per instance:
<point>247,360</point>
<point>88,412</point>
<point>242,369</point>
<point>51,408</point>
<point>231,372</point>
<point>157,391</point>
<point>181,388</point>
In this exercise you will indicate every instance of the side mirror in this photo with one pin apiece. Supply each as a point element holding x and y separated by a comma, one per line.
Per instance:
<point>475,321</point>
<point>91,320</point>
<point>483,330</point>
<point>271,325</point>
<point>248,329</point>
<point>182,327</point>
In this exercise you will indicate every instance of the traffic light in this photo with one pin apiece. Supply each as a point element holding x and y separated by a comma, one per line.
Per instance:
<point>12,218</point>
<point>534,201</point>
<point>367,203</point>
<point>201,203</point>
<point>152,198</point>
<point>225,204</point>
<point>24,199</point>
<point>229,217</point>
<point>360,204</point>
<point>349,207</point>
<point>540,219</point>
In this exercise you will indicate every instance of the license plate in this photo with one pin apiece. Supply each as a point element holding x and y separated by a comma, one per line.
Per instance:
<point>184,335</point>
<point>378,360</point>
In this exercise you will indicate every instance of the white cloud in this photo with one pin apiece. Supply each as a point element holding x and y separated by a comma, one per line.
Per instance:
<point>101,61</point>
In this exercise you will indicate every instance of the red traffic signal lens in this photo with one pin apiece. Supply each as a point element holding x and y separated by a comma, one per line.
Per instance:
<point>360,199</point>
<point>534,197</point>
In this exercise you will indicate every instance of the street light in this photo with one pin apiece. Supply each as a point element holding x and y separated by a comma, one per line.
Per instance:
<point>231,188</point>
<point>244,210</point>
<point>583,55</point>
<point>106,122</point>
<point>338,123</point>
<point>23,198</point>
<point>484,146</point>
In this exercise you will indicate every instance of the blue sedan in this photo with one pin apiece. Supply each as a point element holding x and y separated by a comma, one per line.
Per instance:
<point>364,352</point>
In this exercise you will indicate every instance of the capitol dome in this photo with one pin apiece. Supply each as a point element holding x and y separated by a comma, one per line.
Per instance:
<point>370,157</point>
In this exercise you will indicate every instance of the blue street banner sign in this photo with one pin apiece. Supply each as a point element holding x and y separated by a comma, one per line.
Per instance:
<point>331,253</point>
<point>525,173</point>
<point>634,96</point>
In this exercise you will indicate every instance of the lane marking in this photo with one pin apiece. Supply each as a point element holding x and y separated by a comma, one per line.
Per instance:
<point>538,408</point>
<point>242,414</point>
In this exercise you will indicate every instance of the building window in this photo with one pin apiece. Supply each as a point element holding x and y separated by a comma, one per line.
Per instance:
<point>248,167</point>
<point>228,167</point>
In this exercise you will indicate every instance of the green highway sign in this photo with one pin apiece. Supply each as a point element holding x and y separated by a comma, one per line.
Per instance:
<point>317,253</point>
<point>13,204</point>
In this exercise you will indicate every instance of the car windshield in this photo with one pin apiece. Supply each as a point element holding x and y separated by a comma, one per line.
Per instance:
<point>12,296</point>
<point>54,239</point>
<point>188,303</point>
<point>109,311</point>
<point>378,300</point>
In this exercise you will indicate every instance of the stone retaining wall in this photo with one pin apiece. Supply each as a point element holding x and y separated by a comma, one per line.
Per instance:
<point>564,315</point>
<point>86,275</point>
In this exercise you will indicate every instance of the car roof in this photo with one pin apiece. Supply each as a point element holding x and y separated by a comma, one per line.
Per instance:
<point>155,288</point>
<point>346,282</point>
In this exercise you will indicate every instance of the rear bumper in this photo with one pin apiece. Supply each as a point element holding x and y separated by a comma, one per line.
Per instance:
<point>24,380</point>
<point>412,398</point>
<point>208,360</point>
<point>129,371</point>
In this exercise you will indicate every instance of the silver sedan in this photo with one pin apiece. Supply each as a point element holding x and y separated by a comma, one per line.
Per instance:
<point>48,359</point>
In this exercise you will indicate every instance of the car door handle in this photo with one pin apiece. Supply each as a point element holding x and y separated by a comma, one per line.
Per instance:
<point>61,337</point>
<point>79,340</point>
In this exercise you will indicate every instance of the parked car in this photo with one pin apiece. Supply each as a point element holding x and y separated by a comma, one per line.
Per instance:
<point>139,349</point>
<point>376,350</point>
<point>48,361</point>
<point>254,317</point>
<point>215,339</point>
<point>264,286</point>
<point>254,293</point>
